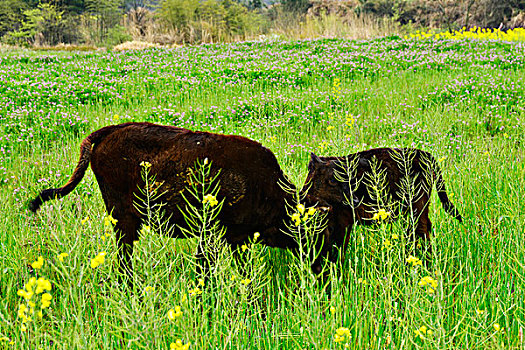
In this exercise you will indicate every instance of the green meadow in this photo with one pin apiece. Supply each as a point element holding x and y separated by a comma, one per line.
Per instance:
<point>461,100</point>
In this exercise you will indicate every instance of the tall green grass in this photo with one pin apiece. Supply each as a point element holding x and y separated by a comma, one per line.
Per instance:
<point>462,101</point>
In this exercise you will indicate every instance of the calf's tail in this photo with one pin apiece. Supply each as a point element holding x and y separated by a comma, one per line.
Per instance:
<point>442,194</point>
<point>85,157</point>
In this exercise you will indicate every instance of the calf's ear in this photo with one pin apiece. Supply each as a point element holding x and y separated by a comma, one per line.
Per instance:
<point>314,160</point>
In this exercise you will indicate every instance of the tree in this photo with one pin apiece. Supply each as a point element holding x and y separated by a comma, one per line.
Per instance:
<point>107,13</point>
<point>178,13</point>
<point>255,4</point>
<point>41,25</point>
<point>135,4</point>
<point>297,6</point>
<point>11,15</point>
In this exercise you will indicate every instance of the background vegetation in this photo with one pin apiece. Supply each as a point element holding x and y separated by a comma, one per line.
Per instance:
<point>462,100</point>
<point>111,22</point>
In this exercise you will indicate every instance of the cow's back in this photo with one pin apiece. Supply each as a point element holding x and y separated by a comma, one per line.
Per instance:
<point>248,172</point>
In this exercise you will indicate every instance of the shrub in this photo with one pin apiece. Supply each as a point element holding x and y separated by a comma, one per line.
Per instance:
<point>208,20</point>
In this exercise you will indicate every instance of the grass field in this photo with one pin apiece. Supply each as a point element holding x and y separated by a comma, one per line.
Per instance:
<point>461,100</point>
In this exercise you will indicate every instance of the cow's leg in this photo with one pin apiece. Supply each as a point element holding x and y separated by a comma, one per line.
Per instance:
<point>238,259</point>
<point>126,229</point>
<point>202,260</point>
<point>119,205</point>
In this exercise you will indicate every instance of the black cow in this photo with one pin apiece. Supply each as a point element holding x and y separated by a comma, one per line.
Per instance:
<point>248,173</point>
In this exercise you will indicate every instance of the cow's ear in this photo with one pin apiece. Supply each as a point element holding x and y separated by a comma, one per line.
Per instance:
<point>314,161</point>
<point>364,162</point>
<point>325,209</point>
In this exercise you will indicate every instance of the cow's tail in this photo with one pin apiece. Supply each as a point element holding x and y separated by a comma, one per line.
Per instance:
<point>83,163</point>
<point>442,193</point>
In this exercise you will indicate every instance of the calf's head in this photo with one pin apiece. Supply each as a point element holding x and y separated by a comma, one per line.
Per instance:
<point>320,248</point>
<point>328,181</point>
<point>324,181</point>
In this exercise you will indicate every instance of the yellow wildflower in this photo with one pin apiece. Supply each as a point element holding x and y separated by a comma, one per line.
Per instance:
<point>30,283</point>
<point>342,334</point>
<point>195,291</point>
<point>300,208</point>
<point>98,260</point>
<point>381,214</point>
<point>210,199</point>
<point>26,295</point>
<point>148,289</point>
<point>145,164</point>
<point>296,218</point>
<point>38,263</point>
<point>244,247</point>
<point>145,230</point>
<point>480,312</point>
<point>413,260</point>
<point>498,328</point>
<point>110,220</point>
<point>179,346</point>
<point>61,256</point>
<point>84,220</point>
<point>6,339</point>
<point>22,310</point>
<point>311,211</point>
<point>178,311</point>
<point>256,235</point>
<point>246,281</point>
<point>173,314</point>
<point>329,127</point>
<point>46,300</point>
<point>423,330</point>
<point>428,281</point>
<point>332,310</point>
<point>41,285</point>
